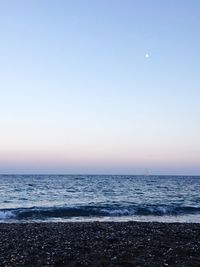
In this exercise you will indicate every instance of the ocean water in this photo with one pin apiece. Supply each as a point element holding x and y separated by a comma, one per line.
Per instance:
<point>30,198</point>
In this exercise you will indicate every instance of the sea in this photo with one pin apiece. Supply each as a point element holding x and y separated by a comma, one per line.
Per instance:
<point>70,198</point>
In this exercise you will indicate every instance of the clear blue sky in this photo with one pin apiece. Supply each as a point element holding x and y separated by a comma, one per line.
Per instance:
<point>80,95</point>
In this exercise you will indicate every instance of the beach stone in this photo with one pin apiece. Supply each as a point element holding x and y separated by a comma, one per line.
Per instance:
<point>99,244</point>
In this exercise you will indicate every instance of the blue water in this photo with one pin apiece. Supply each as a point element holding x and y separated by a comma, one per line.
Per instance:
<point>106,198</point>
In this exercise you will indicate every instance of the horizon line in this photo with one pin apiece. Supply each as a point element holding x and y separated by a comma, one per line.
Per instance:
<point>90,174</point>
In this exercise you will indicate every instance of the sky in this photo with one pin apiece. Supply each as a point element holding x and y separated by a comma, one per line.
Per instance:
<point>100,87</point>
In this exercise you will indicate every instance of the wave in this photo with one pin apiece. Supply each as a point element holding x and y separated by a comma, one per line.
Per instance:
<point>44,213</point>
<point>6,214</point>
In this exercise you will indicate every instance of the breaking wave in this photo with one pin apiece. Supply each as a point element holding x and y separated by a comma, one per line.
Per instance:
<point>45,213</point>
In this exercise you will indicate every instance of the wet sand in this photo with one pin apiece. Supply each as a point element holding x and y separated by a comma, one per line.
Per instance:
<point>100,244</point>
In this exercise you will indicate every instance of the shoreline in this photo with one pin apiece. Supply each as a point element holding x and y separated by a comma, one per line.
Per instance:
<point>99,244</point>
<point>183,218</point>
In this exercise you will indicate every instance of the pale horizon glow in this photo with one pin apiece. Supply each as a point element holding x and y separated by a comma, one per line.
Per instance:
<point>100,87</point>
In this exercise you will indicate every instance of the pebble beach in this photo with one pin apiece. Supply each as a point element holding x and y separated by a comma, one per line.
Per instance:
<point>99,244</point>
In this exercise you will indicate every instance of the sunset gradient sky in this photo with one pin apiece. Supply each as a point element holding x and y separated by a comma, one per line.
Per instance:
<point>100,86</point>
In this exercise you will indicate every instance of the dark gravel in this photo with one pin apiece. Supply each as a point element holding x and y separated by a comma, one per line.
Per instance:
<point>99,244</point>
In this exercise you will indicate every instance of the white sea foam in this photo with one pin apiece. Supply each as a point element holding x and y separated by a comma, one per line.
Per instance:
<point>118,211</point>
<point>7,214</point>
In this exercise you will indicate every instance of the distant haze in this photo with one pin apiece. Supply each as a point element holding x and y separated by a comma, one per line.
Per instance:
<point>100,87</point>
